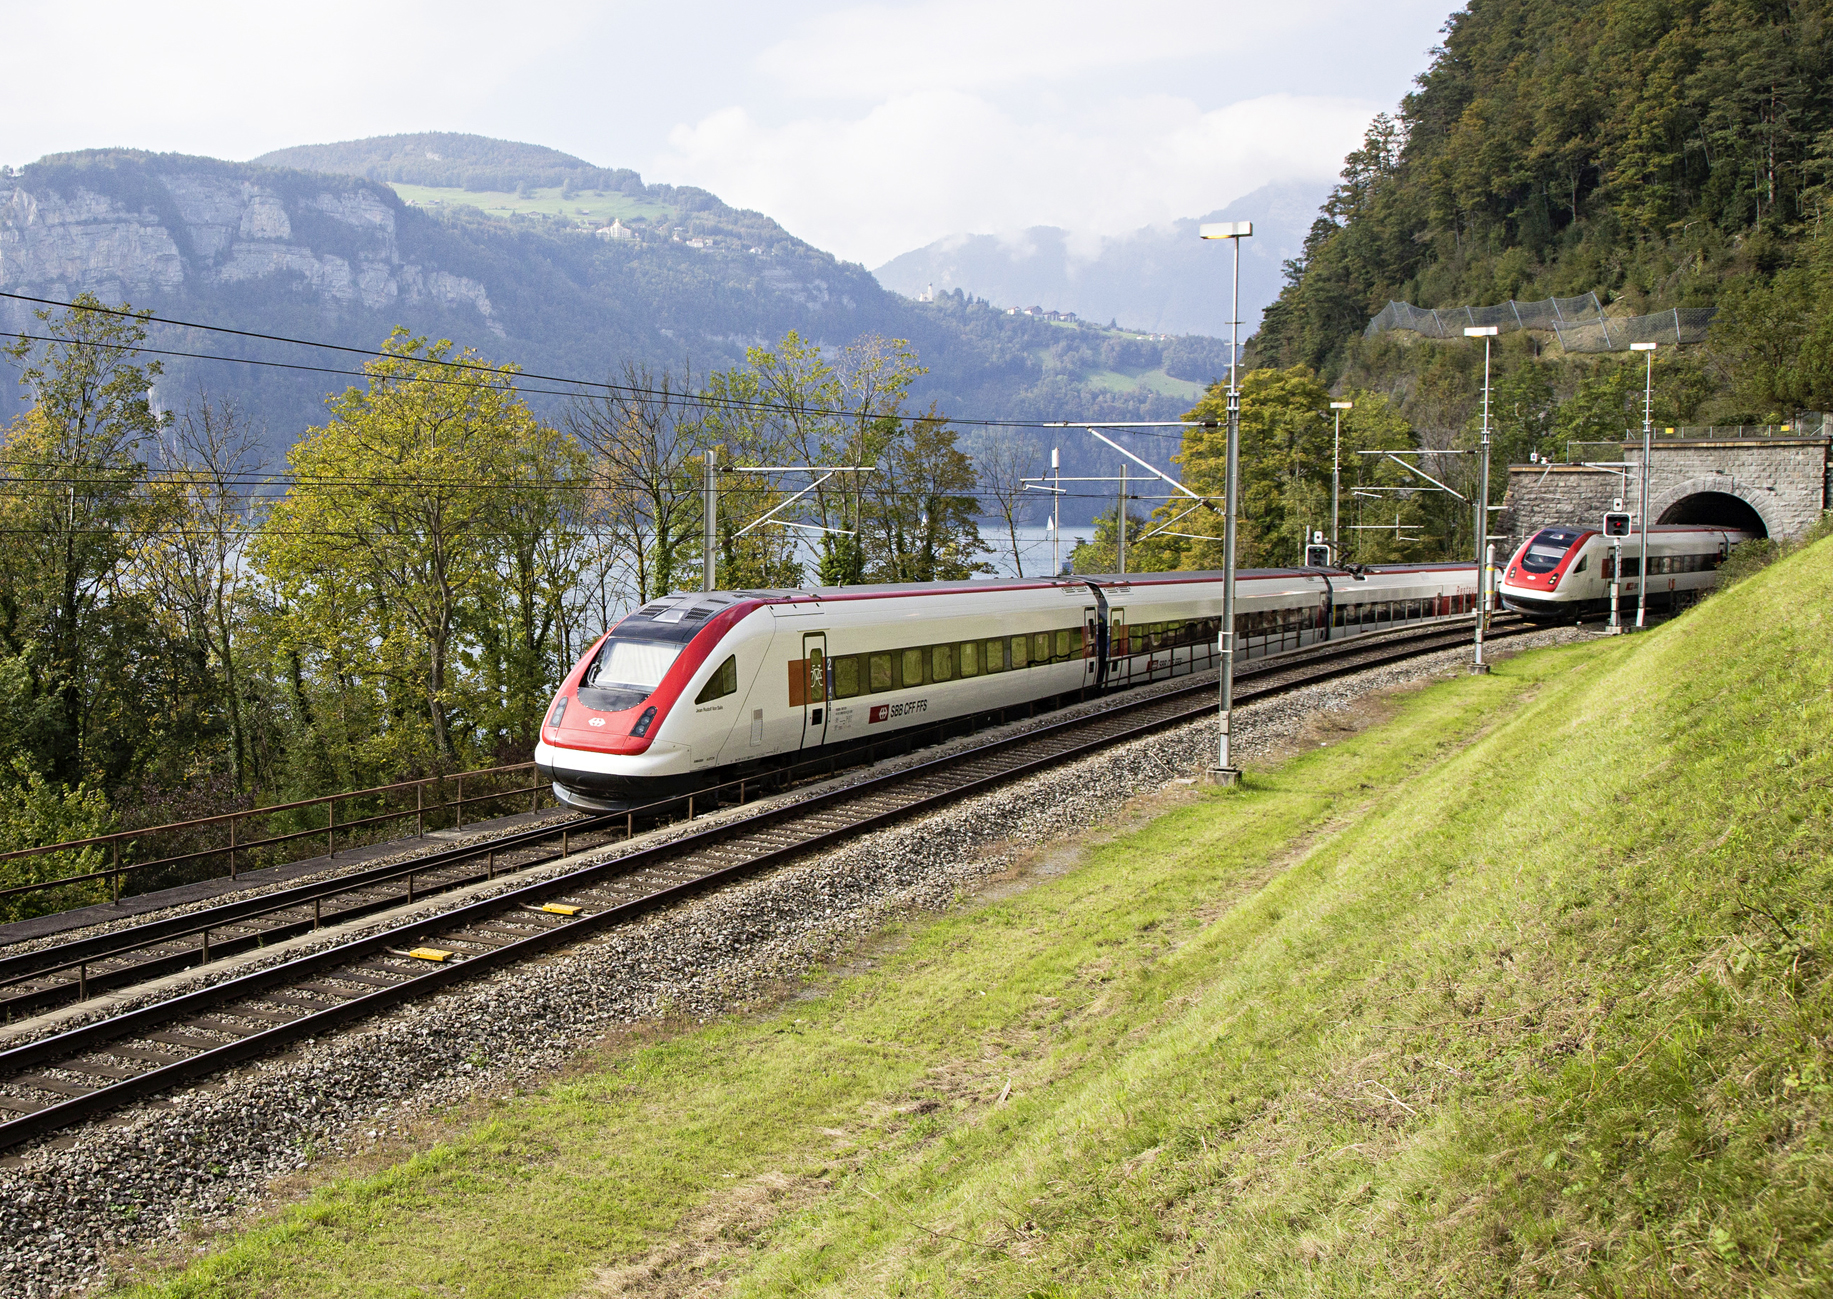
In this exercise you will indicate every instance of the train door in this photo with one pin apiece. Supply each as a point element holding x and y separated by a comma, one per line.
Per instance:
<point>1091,646</point>
<point>1116,646</point>
<point>815,705</point>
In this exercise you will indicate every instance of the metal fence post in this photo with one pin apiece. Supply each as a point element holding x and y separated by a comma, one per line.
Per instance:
<point>232,845</point>
<point>330,826</point>
<point>460,804</point>
<point>420,808</point>
<point>114,878</point>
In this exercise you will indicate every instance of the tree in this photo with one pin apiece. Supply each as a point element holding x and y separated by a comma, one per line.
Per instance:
<point>387,541</point>
<point>645,441</point>
<point>1287,435</point>
<point>919,509</point>
<point>541,521</point>
<point>790,405</point>
<point>71,486</point>
<point>1002,464</point>
<point>190,558</point>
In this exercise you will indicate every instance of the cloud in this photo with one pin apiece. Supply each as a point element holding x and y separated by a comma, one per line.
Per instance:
<point>936,161</point>
<point>871,51</point>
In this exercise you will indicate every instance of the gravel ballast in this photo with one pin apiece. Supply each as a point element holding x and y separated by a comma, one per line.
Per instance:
<point>203,1156</point>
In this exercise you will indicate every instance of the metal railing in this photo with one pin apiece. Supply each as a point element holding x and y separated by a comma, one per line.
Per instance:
<point>235,846</point>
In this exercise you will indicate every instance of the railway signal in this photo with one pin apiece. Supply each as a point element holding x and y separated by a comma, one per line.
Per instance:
<point>1616,527</point>
<point>1317,554</point>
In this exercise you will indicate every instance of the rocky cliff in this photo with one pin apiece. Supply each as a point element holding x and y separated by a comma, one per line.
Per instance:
<point>342,259</point>
<point>198,226</point>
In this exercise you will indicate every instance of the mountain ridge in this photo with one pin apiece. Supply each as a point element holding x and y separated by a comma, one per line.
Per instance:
<point>1160,279</point>
<point>343,259</point>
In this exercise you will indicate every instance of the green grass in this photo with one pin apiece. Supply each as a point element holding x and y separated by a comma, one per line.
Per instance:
<point>1151,380</point>
<point>586,205</point>
<point>1523,989</point>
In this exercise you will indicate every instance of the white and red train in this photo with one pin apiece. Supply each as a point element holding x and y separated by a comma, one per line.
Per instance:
<point>697,688</point>
<point>1563,573</point>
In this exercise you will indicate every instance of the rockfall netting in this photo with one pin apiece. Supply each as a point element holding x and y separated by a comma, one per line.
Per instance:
<point>1579,323</point>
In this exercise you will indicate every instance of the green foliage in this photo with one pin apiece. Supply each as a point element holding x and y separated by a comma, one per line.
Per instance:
<point>447,159</point>
<point>1666,154</point>
<point>1288,440</point>
<point>387,561</point>
<point>35,812</point>
<point>910,520</point>
<point>69,481</point>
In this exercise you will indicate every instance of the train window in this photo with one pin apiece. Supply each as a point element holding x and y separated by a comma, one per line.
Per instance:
<point>968,655</point>
<point>1040,647</point>
<point>878,671</point>
<point>996,656</point>
<point>1065,644</point>
<point>846,676</point>
<point>941,662</point>
<point>722,683</point>
<point>1583,562</point>
<point>1021,646</point>
<point>912,665</point>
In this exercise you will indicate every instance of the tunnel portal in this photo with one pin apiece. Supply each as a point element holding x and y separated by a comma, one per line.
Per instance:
<point>1715,509</point>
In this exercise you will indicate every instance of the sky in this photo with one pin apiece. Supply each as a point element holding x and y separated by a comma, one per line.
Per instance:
<point>867,129</point>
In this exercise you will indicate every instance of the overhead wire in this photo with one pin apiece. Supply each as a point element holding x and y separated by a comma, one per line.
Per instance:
<point>506,373</point>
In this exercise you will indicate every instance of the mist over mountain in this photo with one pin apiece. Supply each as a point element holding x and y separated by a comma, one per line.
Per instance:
<point>1161,279</point>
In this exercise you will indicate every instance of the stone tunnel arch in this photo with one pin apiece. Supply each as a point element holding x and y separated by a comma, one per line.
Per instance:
<point>1708,502</point>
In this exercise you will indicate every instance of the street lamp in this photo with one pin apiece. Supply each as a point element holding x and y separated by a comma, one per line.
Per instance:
<point>1224,772</point>
<point>1648,436</point>
<point>1336,477</point>
<point>1478,668</point>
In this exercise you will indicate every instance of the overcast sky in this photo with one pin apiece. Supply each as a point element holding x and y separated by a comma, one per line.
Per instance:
<point>868,129</point>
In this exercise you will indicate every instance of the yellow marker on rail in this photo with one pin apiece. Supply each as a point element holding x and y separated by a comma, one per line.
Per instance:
<point>430,954</point>
<point>561,909</point>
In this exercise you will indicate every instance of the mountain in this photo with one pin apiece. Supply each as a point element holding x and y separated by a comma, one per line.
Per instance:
<point>445,159</point>
<point>1670,154</point>
<point>527,274</point>
<point>1161,279</point>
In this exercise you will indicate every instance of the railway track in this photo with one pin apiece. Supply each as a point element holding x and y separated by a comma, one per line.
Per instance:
<point>64,1079</point>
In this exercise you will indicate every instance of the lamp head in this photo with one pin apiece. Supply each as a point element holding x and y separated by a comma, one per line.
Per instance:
<point>1225,230</point>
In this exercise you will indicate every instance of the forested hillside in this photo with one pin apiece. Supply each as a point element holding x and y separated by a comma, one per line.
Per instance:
<point>1659,152</point>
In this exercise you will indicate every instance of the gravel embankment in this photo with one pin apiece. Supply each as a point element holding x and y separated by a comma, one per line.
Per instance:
<point>209,1153</point>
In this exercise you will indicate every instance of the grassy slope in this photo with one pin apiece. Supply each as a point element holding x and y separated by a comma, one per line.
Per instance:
<point>585,205</point>
<point>1522,989</point>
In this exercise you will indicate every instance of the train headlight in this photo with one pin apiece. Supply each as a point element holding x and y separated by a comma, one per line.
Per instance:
<point>642,723</point>
<point>559,711</point>
<point>1552,580</point>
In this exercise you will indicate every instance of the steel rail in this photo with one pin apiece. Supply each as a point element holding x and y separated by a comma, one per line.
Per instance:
<point>119,944</point>
<point>1348,657</point>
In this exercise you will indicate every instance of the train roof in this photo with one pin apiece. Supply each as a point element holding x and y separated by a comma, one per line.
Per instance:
<point>710,600</point>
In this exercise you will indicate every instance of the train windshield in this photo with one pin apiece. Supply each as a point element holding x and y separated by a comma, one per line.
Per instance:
<point>1548,547</point>
<point>625,673</point>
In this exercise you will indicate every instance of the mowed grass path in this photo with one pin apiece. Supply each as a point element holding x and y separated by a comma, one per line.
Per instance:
<point>1523,989</point>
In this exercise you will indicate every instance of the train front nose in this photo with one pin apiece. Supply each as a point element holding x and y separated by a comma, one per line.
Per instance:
<point>615,782</point>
